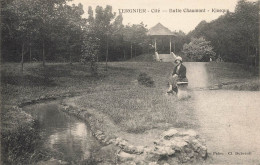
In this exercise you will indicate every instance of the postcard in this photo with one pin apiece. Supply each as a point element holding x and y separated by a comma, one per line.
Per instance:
<point>130,82</point>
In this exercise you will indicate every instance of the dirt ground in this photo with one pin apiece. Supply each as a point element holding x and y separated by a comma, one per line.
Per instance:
<point>228,120</point>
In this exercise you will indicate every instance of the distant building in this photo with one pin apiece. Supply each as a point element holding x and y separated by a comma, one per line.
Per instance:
<point>160,34</point>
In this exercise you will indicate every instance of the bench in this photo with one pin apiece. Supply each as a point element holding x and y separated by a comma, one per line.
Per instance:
<point>182,90</point>
<point>182,83</point>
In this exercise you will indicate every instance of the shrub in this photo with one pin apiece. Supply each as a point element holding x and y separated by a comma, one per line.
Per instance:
<point>21,145</point>
<point>199,50</point>
<point>145,80</point>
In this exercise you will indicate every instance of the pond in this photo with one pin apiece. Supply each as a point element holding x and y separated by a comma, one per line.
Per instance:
<point>63,133</point>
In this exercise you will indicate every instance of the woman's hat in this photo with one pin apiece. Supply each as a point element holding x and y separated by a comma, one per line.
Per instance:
<point>178,58</point>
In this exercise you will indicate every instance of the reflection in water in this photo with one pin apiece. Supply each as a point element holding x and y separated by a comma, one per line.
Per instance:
<point>63,133</point>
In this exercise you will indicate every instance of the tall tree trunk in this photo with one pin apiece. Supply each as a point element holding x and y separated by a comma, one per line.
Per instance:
<point>107,53</point>
<point>22,57</point>
<point>248,63</point>
<point>70,56</point>
<point>70,59</point>
<point>124,54</point>
<point>135,50</point>
<point>43,53</point>
<point>174,47</point>
<point>30,54</point>
<point>131,50</point>
<point>255,56</point>
<point>67,43</point>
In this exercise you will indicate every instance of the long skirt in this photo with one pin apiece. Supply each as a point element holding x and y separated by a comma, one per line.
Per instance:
<point>174,79</point>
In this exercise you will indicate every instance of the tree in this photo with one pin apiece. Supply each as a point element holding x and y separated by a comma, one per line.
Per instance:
<point>234,35</point>
<point>102,28</point>
<point>199,50</point>
<point>136,36</point>
<point>67,34</point>
<point>247,16</point>
<point>21,29</point>
<point>90,48</point>
<point>179,40</point>
<point>117,47</point>
<point>53,28</point>
<point>55,31</point>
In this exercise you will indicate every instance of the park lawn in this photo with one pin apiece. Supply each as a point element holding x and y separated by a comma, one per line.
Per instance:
<point>233,76</point>
<point>144,58</point>
<point>36,81</point>
<point>136,108</point>
<point>116,92</point>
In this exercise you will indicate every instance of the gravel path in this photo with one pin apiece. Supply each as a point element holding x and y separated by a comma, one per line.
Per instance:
<point>229,120</point>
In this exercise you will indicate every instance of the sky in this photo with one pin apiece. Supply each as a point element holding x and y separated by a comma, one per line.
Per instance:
<point>175,21</point>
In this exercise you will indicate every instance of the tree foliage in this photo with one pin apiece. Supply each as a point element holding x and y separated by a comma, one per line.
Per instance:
<point>199,50</point>
<point>52,29</point>
<point>42,30</point>
<point>179,40</point>
<point>136,36</point>
<point>234,35</point>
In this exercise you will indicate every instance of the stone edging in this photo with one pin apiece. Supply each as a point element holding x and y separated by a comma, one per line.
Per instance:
<point>182,146</point>
<point>173,144</point>
<point>43,99</point>
<point>91,120</point>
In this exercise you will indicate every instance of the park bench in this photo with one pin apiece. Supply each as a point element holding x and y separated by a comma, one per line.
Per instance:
<point>182,89</point>
<point>183,84</point>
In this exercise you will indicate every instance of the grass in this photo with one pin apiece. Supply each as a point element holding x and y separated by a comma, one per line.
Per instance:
<point>116,92</point>
<point>144,58</point>
<point>36,81</point>
<point>138,109</point>
<point>233,76</point>
<point>135,107</point>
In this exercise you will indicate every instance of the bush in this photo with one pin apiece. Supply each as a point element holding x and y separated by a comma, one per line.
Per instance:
<point>199,50</point>
<point>145,80</point>
<point>21,146</point>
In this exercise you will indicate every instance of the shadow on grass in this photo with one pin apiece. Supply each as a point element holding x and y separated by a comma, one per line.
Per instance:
<point>52,71</point>
<point>63,75</point>
<point>27,80</point>
<point>68,71</point>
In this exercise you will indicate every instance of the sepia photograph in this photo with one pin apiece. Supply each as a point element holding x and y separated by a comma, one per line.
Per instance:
<point>130,82</point>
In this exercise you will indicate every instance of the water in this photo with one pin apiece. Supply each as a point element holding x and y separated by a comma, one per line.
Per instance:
<point>64,133</point>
